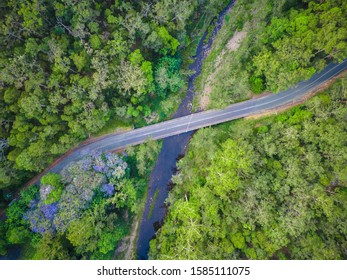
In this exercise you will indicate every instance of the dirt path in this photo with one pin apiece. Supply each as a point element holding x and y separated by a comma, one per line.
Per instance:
<point>130,252</point>
<point>127,244</point>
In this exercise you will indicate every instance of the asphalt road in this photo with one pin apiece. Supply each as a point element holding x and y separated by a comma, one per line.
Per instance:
<point>203,119</point>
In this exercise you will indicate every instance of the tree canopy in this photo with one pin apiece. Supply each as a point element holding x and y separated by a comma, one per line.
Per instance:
<point>281,43</point>
<point>69,67</point>
<point>273,188</point>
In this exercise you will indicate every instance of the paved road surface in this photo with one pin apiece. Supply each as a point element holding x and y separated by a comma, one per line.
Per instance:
<point>203,119</point>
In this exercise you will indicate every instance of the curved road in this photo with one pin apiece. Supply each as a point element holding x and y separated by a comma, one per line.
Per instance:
<point>198,120</point>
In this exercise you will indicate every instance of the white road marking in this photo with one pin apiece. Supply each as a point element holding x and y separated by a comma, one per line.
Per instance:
<point>227,112</point>
<point>215,114</point>
<point>190,119</point>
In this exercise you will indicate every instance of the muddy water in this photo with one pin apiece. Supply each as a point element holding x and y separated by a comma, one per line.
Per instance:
<point>173,148</point>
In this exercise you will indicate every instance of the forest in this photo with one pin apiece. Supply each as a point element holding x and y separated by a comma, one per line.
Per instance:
<point>273,188</point>
<point>283,43</point>
<point>85,211</point>
<point>269,188</point>
<point>68,68</point>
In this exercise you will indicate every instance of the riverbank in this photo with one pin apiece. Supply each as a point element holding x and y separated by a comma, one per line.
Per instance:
<point>173,148</point>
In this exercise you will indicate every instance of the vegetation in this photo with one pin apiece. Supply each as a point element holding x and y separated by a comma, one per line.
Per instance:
<point>273,188</point>
<point>68,69</point>
<point>153,204</point>
<point>81,213</point>
<point>286,42</point>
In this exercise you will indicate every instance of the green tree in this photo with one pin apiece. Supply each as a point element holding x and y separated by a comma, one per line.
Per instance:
<point>51,248</point>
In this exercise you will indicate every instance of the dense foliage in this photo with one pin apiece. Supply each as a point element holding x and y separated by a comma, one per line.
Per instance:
<point>262,189</point>
<point>284,42</point>
<point>81,213</point>
<point>67,67</point>
<point>77,213</point>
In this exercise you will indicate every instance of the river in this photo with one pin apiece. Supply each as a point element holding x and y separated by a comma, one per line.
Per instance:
<point>173,148</point>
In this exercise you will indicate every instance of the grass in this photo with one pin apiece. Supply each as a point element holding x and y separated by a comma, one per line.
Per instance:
<point>112,126</point>
<point>153,204</point>
<point>227,79</point>
<point>219,43</point>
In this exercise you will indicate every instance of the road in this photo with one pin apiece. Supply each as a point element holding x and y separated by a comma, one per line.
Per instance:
<point>198,120</point>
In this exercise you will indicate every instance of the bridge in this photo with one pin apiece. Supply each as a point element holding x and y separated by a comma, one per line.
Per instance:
<point>195,121</point>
